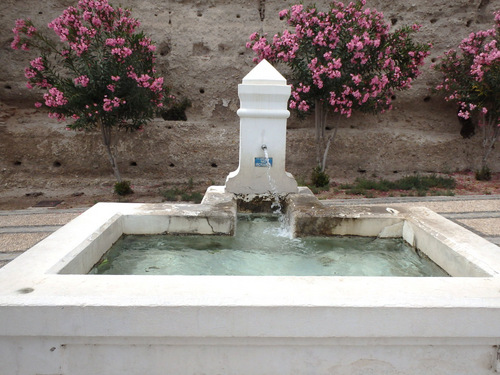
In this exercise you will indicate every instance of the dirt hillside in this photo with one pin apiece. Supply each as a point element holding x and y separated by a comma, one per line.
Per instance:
<point>202,54</point>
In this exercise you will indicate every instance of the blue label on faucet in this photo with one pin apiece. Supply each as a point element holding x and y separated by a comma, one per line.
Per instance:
<point>263,162</point>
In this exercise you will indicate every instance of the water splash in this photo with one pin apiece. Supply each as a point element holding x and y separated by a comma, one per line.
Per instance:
<point>276,207</point>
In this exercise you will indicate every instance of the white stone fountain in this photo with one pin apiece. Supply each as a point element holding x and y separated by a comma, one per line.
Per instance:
<point>56,319</point>
<point>263,114</point>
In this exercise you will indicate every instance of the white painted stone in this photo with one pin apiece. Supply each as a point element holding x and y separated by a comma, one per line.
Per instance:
<point>392,231</point>
<point>263,113</point>
<point>57,320</point>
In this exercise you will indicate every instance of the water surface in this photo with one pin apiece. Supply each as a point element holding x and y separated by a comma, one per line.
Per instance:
<point>262,247</point>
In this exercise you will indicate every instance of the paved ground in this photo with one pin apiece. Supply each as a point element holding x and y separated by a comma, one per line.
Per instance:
<point>20,230</point>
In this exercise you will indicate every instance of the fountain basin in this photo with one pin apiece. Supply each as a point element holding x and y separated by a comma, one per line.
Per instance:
<point>59,320</point>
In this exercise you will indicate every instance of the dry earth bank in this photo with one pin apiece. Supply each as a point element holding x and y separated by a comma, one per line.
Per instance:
<point>202,55</point>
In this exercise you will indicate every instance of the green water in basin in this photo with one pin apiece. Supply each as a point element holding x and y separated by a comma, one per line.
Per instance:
<point>261,247</point>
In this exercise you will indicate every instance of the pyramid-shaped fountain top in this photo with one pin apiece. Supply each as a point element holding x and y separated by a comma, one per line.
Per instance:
<point>264,74</point>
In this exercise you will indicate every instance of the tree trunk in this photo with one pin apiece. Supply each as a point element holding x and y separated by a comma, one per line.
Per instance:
<point>106,138</point>
<point>491,132</point>
<point>318,114</point>
<point>327,147</point>
<point>322,141</point>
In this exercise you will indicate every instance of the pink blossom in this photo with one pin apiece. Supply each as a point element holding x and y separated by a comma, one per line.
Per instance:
<point>82,80</point>
<point>109,104</point>
<point>282,14</point>
<point>54,98</point>
<point>29,73</point>
<point>22,29</point>
<point>464,114</point>
<point>121,52</point>
<point>157,85</point>
<point>57,116</point>
<point>303,106</point>
<point>38,64</point>
<point>356,79</point>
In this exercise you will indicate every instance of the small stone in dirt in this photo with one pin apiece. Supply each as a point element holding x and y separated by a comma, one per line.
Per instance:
<point>47,203</point>
<point>34,194</point>
<point>77,194</point>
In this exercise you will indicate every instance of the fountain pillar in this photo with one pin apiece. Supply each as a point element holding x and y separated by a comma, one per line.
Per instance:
<point>263,114</point>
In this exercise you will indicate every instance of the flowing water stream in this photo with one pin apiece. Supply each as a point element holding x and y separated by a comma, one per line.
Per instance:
<point>276,205</point>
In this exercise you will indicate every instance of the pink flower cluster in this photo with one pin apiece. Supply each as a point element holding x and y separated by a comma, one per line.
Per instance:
<point>347,54</point>
<point>90,18</point>
<point>112,42</point>
<point>121,53</point>
<point>99,49</point>
<point>487,58</point>
<point>55,98</point>
<point>148,44</point>
<point>109,104</point>
<point>34,74</point>
<point>22,27</point>
<point>37,64</point>
<point>82,80</point>
<point>478,57</point>
<point>145,80</point>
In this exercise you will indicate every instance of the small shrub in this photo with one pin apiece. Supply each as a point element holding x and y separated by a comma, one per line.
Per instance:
<point>419,184</point>
<point>357,191</point>
<point>421,193</point>
<point>319,178</point>
<point>424,183</point>
<point>123,188</point>
<point>192,197</point>
<point>484,174</point>
<point>175,194</point>
<point>382,185</point>
<point>369,194</point>
<point>447,193</point>
<point>301,181</point>
<point>177,111</point>
<point>170,195</point>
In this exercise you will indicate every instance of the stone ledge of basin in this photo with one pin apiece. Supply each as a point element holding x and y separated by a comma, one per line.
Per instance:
<point>306,203</point>
<point>470,255</point>
<point>217,196</point>
<point>215,216</point>
<point>72,317</point>
<point>250,291</point>
<point>75,235</point>
<point>309,217</point>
